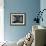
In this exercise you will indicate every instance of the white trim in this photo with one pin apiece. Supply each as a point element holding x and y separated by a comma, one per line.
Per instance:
<point>1,20</point>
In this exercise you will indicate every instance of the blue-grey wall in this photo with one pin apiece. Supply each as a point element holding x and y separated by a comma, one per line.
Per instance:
<point>30,7</point>
<point>43,6</point>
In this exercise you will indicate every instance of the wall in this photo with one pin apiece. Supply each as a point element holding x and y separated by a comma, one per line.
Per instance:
<point>43,6</point>
<point>30,7</point>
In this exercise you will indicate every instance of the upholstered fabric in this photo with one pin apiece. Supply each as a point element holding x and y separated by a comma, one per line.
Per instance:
<point>39,33</point>
<point>26,41</point>
<point>39,37</point>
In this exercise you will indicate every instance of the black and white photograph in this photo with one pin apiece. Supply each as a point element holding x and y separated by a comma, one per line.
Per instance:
<point>17,18</point>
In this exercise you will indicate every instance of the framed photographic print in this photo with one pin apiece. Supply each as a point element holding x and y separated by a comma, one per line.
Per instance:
<point>17,19</point>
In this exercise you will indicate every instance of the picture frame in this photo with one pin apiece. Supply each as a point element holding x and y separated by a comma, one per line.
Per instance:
<point>17,19</point>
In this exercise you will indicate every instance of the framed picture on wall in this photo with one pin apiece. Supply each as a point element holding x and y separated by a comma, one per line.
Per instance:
<point>17,19</point>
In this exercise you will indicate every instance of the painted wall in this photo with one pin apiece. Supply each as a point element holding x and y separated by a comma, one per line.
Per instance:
<point>30,7</point>
<point>43,6</point>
